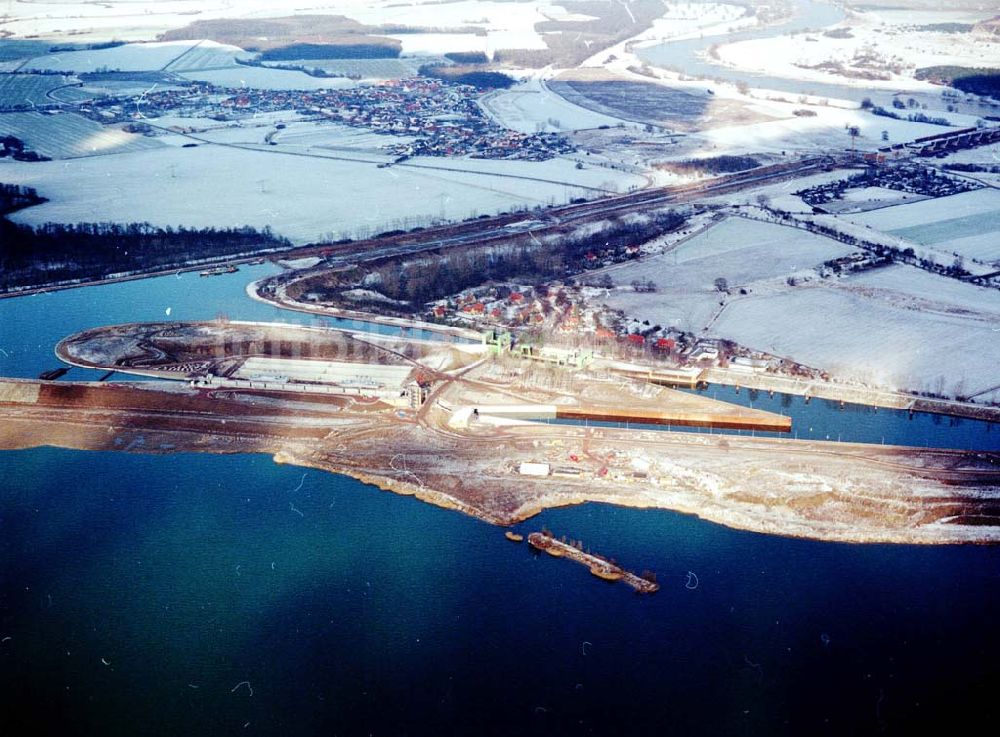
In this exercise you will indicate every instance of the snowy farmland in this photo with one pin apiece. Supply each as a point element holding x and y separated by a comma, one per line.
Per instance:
<point>303,197</point>
<point>12,50</point>
<point>895,327</point>
<point>967,224</point>
<point>875,40</point>
<point>863,199</point>
<point>746,253</point>
<point>531,107</point>
<point>67,135</point>
<point>501,24</point>
<point>266,78</point>
<point>28,90</point>
<point>207,55</point>
<point>825,131</point>
<point>146,57</point>
<point>333,136</point>
<point>494,25</point>
<point>402,68</point>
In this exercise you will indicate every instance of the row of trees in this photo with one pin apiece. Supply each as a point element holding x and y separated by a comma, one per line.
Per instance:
<point>432,278</point>
<point>467,74</point>
<point>51,253</point>
<point>973,80</point>
<point>15,197</point>
<point>712,165</point>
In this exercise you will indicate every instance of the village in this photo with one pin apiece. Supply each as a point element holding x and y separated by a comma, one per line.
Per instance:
<point>430,117</point>
<point>564,323</point>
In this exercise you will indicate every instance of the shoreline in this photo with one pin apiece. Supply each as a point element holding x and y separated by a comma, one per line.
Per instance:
<point>871,504</point>
<point>184,268</point>
<point>558,500</point>
<point>368,317</point>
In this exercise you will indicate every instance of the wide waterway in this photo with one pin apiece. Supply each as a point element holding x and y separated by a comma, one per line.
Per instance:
<point>138,593</point>
<point>690,56</point>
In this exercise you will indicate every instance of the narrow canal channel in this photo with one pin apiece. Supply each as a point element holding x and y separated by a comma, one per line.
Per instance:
<point>823,419</point>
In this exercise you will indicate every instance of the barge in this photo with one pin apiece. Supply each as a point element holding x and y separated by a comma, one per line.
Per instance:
<point>219,270</point>
<point>598,565</point>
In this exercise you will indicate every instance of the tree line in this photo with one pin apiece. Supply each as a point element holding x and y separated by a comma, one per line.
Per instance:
<point>15,197</point>
<point>419,282</point>
<point>53,252</point>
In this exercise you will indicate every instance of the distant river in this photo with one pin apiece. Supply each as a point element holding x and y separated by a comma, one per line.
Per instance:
<point>201,594</point>
<point>689,56</point>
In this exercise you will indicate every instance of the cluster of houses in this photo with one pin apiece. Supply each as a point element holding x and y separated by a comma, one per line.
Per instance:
<point>197,99</point>
<point>504,305</point>
<point>566,315</point>
<point>557,310</point>
<point>913,178</point>
<point>429,117</point>
<point>437,118</point>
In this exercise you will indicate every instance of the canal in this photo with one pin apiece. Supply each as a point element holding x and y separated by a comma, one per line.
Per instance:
<point>823,419</point>
<point>31,326</point>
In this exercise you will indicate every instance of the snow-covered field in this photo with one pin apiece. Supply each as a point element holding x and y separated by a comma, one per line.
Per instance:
<point>68,135</point>
<point>988,155</point>
<point>983,155</point>
<point>886,39</point>
<point>333,136</point>
<point>898,327</point>
<point>558,172</point>
<point>746,253</point>
<point>870,198</point>
<point>824,131</point>
<point>967,224</point>
<point>401,68</point>
<point>28,89</point>
<point>506,24</point>
<point>435,44</point>
<point>304,198</point>
<point>208,55</point>
<point>267,79</point>
<point>681,20</point>
<point>498,25</point>
<point>531,107</point>
<point>299,135</point>
<point>145,57</point>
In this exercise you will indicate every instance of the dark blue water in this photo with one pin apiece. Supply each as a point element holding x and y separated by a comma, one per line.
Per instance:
<point>136,601</point>
<point>30,327</point>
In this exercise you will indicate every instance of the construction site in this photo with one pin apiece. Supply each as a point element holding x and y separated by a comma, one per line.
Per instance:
<point>498,436</point>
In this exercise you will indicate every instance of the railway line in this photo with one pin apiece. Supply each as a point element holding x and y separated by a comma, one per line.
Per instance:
<point>498,228</point>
